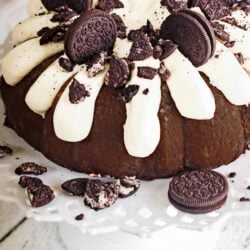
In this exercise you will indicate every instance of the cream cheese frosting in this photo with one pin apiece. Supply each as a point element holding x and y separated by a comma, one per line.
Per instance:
<point>142,126</point>
<point>47,85</point>
<point>73,122</point>
<point>189,91</point>
<point>25,57</point>
<point>28,28</point>
<point>226,74</point>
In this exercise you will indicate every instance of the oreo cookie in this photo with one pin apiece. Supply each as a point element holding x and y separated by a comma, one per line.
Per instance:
<point>30,168</point>
<point>93,32</point>
<point>198,191</point>
<point>53,4</point>
<point>75,187</point>
<point>192,33</point>
<point>80,5</point>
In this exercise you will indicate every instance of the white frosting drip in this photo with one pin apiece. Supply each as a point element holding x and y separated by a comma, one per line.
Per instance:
<point>47,85</point>
<point>35,7</point>
<point>73,122</point>
<point>142,126</point>
<point>242,42</point>
<point>136,13</point>
<point>226,74</point>
<point>192,96</point>
<point>28,28</point>
<point>25,57</point>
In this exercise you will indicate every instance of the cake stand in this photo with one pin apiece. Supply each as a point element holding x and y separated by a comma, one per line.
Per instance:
<point>144,221</point>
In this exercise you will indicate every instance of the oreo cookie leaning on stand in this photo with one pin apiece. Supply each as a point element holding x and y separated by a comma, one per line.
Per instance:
<point>192,33</point>
<point>198,191</point>
<point>93,32</point>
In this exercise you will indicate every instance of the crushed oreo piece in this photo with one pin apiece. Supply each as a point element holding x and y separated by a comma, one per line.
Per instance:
<point>55,34</point>
<point>229,44</point>
<point>141,49</point>
<point>43,31</point>
<point>129,92</point>
<point>173,5</point>
<point>52,5</point>
<point>80,5</point>
<point>220,32</point>
<point>30,168</point>
<point>163,72</point>
<point>168,48</point>
<point>121,27</point>
<point>75,187</point>
<point>27,181</point>
<point>64,15</point>
<point>96,64</point>
<point>119,72</point>
<point>240,58</point>
<point>145,91</point>
<point>40,195</point>
<point>108,5</point>
<point>66,64</point>
<point>128,186</point>
<point>146,72</point>
<point>79,217</point>
<point>100,195</point>
<point>77,92</point>
<point>134,35</point>
<point>244,199</point>
<point>248,188</point>
<point>232,175</point>
<point>4,150</point>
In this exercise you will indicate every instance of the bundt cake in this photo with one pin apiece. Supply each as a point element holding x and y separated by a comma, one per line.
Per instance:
<point>131,87</point>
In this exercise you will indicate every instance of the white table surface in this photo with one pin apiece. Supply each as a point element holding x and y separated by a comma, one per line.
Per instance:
<point>17,232</point>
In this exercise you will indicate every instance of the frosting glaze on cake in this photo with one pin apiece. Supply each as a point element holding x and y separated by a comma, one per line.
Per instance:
<point>73,122</point>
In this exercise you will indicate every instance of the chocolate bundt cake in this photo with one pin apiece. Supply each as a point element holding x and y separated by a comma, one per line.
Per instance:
<point>131,87</point>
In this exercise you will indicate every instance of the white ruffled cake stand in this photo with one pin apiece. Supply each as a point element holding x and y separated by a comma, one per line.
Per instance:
<point>147,214</point>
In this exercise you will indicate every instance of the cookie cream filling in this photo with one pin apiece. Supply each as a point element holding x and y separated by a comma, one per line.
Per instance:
<point>192,96</point>
<point>35,7</point>
<point>142,126</point>
<point>29,28</point>
<point>226,74</point>
<point>73,122</point>
<point>23,58</point>
<point>47,85</point>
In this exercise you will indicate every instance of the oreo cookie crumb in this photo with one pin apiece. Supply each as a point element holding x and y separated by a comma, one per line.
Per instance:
<point>163,72</point>
<point>77,92</point>
<point>220,32</point>
<point>108,5</point>
<point>4,150</point>
<point>64,16</point>
<point>146,72</point>
<point>55,34</point>
<point>229,44</point>
<point>121,27</point>
<point>239,57</point>
<point>129,92</point>
<point>28,168</point>
<point>128,186</point>
<point>80,5</point>
<point>248,188</point>
<point>96,64</point>
<point>244,199</point>
<point>232,175</point>
<point>119,72</point>
<point>66,64</point>
<point>79,217</point>
<point>145,91</point>
<point>134,35</point>
<point>141,49</point>
<point>27,181</point>
<point>100,195</point>
<point>173,5</point>
<point>40,195</point>
<point>75,187</point>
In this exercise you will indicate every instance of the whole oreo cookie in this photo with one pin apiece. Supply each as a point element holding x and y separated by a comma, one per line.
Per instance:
<point>189,34</point>
<point>198,191</point>
<point>93,32</point>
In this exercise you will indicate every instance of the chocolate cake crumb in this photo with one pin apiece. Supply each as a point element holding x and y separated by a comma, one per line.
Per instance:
<point>27,181</point>
<point>77,92</point>
<point>146,72</point>
<point>40,195</point>
<point>121,27</point>
<point>145,91</point>
<point>108,5</point>
<point>4,150</point>
<point>232,175</point>
<point>239,57</point>
<point>28,168</point>
<point>244,199</point>
<point>129,92</point>
<point>79,217</point>
<point>66,64</point>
